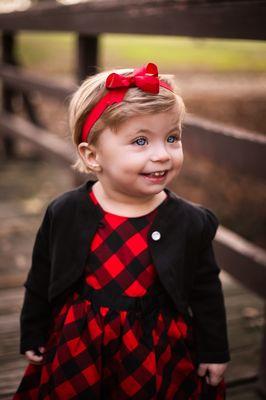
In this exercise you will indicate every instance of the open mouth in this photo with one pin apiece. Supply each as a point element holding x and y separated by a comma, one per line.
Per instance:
<point>156,174</point>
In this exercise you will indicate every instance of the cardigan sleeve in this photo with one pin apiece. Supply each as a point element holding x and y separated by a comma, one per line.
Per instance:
<point>207,300</point>
<point>36,312</point>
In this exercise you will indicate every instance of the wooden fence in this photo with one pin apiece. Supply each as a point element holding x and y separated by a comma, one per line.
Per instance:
<point>237,19</point>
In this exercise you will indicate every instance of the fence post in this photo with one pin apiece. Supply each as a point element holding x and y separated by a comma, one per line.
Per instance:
<point>8,57</point>
<point>87,56</point>
<point>262,367</point>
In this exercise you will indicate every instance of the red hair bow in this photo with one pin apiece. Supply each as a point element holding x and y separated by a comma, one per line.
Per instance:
<point>145,78</point>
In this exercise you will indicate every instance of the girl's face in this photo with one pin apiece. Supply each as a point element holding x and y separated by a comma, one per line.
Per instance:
<point>129,157</point>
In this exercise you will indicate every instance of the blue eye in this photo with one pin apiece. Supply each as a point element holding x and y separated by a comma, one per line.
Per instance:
<point>175,137</point>
<point>140,141</point>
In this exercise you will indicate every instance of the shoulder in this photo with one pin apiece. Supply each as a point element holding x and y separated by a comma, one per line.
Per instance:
<point>68,201</point>
<point>204,214</point>
<point>206,218</point>
<point>199,218</point>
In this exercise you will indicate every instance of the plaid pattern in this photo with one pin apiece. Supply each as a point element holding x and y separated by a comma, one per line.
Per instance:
<point>102,346</point>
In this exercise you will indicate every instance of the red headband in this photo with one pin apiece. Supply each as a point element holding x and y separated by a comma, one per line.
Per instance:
<point>145,78</point>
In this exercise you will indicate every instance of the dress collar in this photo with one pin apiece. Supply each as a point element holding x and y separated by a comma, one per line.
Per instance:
<point>168,211</point>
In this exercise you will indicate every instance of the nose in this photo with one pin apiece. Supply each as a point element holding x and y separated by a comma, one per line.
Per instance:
<point>159,153</point>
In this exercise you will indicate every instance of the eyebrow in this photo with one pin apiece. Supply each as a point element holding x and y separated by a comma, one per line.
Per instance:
<point>144,130</point>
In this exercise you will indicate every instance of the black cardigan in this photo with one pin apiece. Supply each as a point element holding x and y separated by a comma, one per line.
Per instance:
<point>183,257</point>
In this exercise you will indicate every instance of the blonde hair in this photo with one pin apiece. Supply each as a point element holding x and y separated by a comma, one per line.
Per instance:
<point>136,102</point>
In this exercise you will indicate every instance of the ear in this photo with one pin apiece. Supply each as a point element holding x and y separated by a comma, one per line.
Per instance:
<point>88,153</point>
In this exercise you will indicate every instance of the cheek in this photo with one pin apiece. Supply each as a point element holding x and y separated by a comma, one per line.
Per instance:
<point>179,157</point>
<point>133,158</point>
<point>120,157</point>
<point>177,152</point>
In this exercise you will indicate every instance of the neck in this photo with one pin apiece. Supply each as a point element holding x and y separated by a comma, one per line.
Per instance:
<point>126,205</point>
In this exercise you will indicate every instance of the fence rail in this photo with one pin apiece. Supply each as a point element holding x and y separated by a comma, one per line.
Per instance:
<point>220,19</point>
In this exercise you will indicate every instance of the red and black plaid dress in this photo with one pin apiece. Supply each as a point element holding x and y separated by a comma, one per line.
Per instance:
<point>121,337</point>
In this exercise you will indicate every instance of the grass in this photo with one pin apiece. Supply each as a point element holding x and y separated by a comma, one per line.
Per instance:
<point>55,52</point>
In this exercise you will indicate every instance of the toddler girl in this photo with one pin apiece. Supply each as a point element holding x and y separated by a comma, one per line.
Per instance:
<point>123,299</point>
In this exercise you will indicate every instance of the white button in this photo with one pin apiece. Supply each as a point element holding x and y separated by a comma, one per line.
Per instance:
<point>156,235</point>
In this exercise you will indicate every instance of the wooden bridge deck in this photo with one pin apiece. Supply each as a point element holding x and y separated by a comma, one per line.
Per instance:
<point>23,195</point>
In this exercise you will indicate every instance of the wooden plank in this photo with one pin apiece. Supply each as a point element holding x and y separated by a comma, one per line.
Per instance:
<point>19,78</point>
<point>246,391</point>
<point>243,260</point>
<point>262,365</point>
<point>10,92</point>
<point>230,147</point>
<point>244,19</point>
<point>11,373</point>
<point>246,307</point>
<point>61,151</point>
<point>11,299</point>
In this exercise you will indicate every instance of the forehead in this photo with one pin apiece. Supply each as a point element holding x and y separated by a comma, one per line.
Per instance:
<point>166,120</point>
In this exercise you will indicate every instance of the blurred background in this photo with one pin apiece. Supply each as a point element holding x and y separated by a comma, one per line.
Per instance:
<point>222,81</point>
